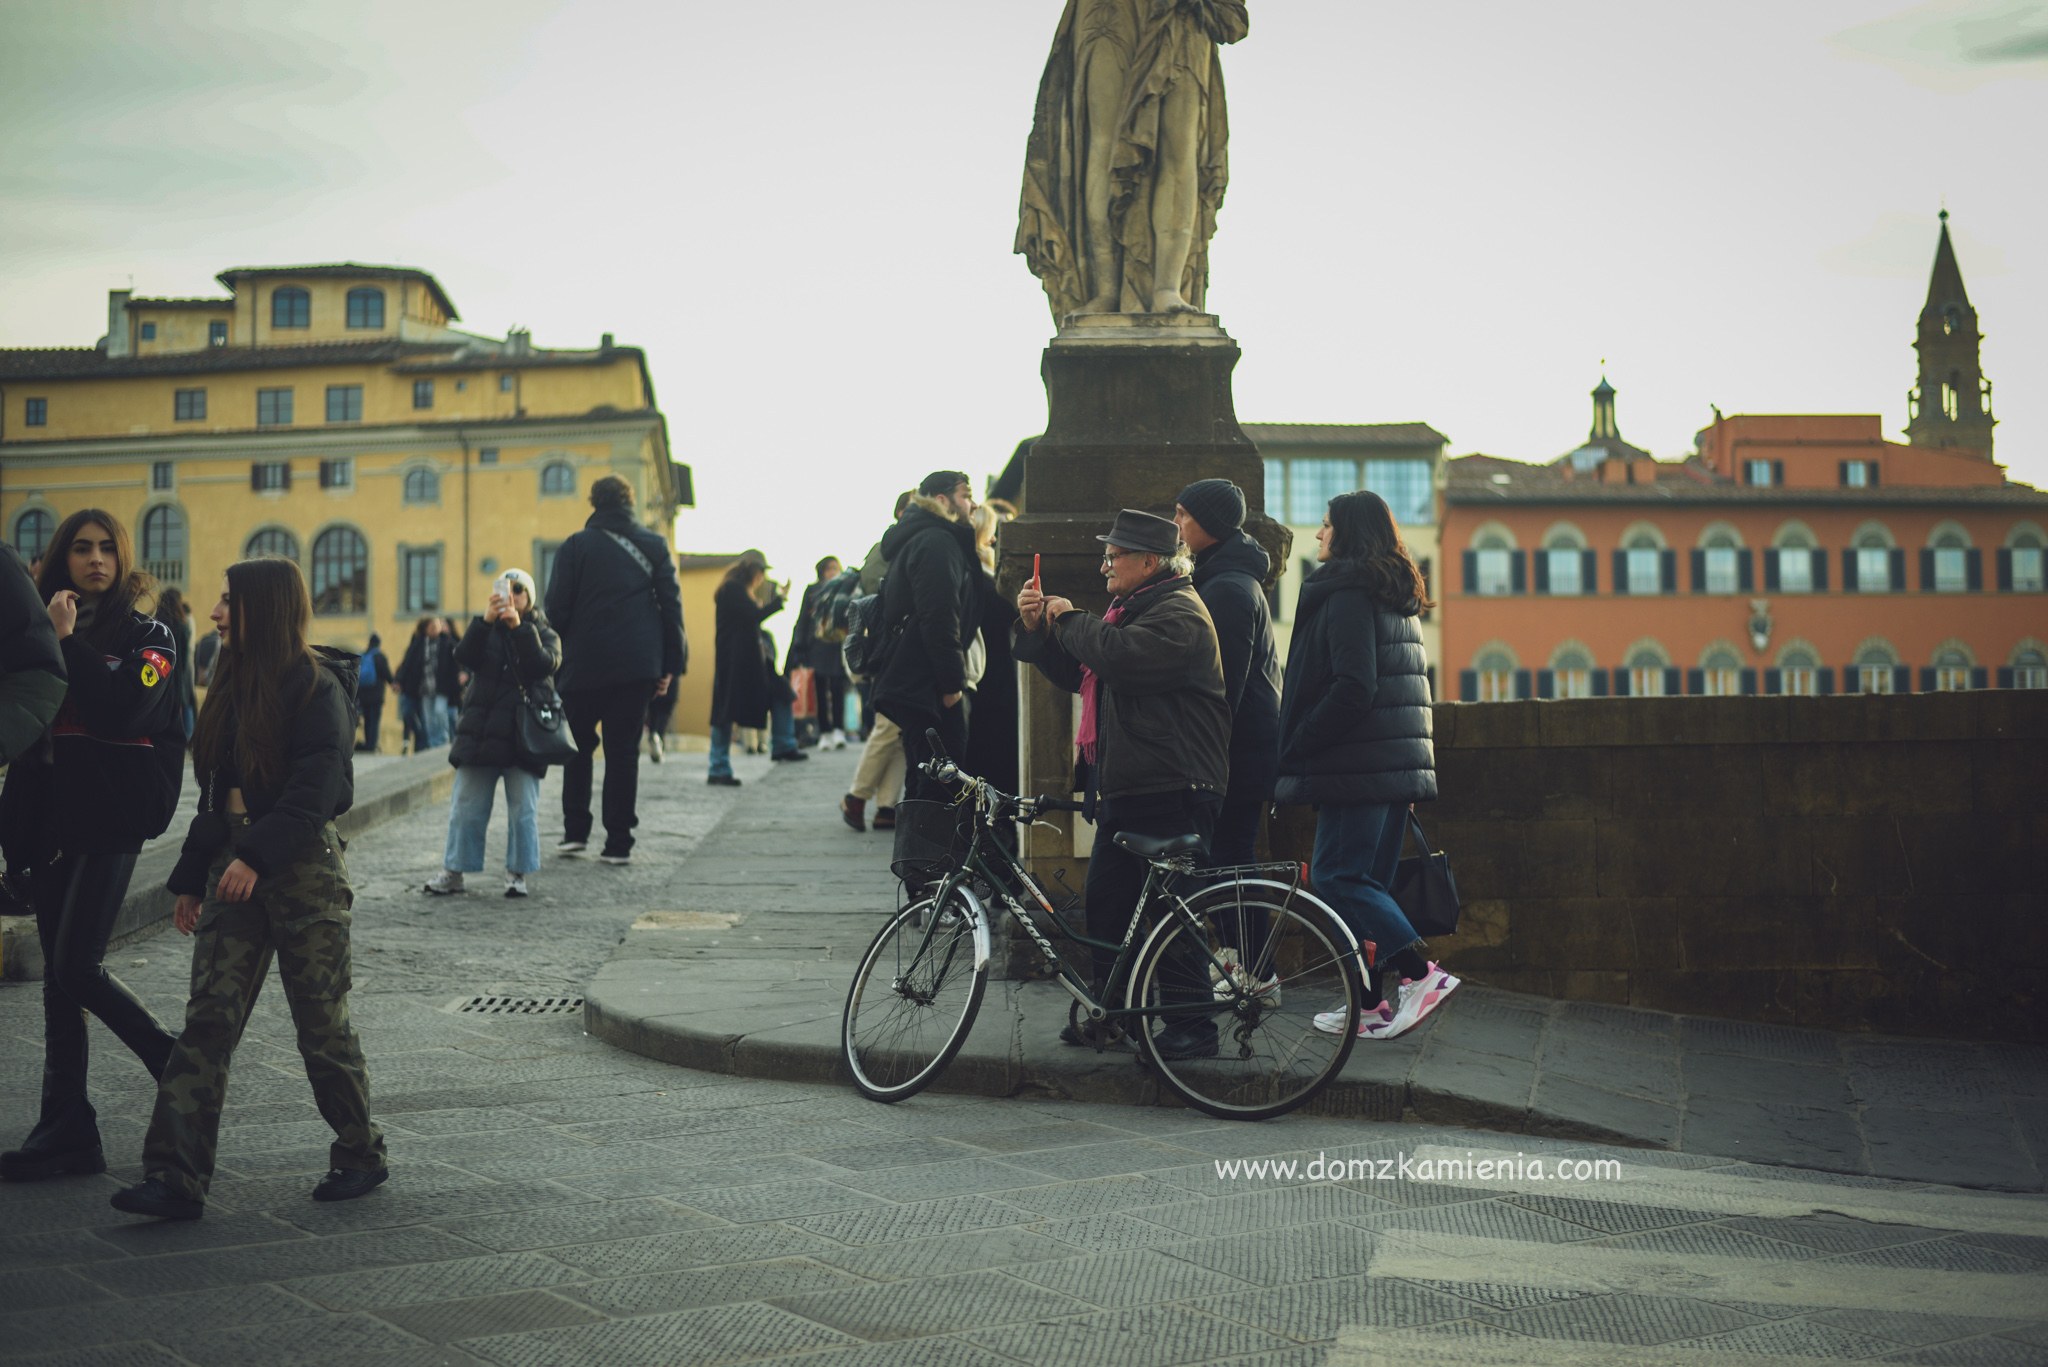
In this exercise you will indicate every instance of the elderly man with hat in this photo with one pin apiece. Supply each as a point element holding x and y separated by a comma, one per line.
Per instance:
<point>1154,737</point>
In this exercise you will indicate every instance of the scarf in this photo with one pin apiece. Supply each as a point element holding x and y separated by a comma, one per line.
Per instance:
<point>1086,739</point>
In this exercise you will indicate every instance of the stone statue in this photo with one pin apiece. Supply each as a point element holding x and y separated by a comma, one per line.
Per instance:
<point>1126,165</point>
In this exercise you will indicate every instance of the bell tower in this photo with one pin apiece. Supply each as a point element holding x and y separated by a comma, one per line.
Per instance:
<point>1951,406</point>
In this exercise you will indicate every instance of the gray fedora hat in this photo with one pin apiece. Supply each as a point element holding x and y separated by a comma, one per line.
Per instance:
<point>1140,531</point>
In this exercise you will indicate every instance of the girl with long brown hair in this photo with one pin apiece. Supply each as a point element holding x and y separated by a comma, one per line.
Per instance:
<point>75,811</point>
<point>261,876</point>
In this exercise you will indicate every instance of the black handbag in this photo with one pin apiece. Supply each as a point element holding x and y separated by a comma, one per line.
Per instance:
<point>1423,886</point>
<point>543,734</point>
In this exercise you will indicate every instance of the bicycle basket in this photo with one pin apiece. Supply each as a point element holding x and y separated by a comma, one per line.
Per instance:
<point>930,838</point>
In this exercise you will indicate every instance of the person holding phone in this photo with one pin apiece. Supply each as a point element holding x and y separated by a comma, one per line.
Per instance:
<point>509,651</point>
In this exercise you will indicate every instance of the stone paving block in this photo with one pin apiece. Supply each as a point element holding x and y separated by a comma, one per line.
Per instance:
<point>1058,1134</point>
<point>935,1351</point>
<point>1764,1079</point>
<point>515,1312</point>
<point>2035,1334</point>
<point>940,1306</point>
<point>576,1161</point>
<point>1621,1319</point>
<point>1276,1257</point>
<point>920,1258</point>
<point>1568,1107</point>
<point>1984,1352</point>
<point>1497,1295</point>
<point>335,1338</point>
<point>478,1120</point>
<point>275,1262</point>
<point>1135,1277</point>
<point>392,1205</point>
<point>40,1288</point>
<point>455,1279</point>
<point>777,1200</point>
<point>577,1224</point>
<point>1149,1337</point>
<point>1706,1035</point>
<point>1793,1338</point>
<point>1483,1220</point>
<point>923,1219</point>
<point>53,1249</point>
<point>111,1355</point>
<point>1318,1311</point>
<point>1717,1240</point>
<point>1106,1233</point>
<point>1609,1217</point>
<point>653,1293</point>
<point>1915,1329</point>
<point>1096,1196</point>
<point>1254,1210</point>
<point>76,1327</point>
<point>927,1181</point>
<point>1825,1233</point>
<point>1083,1161</point>
<point>1941,1255</point>
<point>1454,1086</point>
<point>147,1239</point>
<point>699,1248</point>
<point>281,1195</point>
<point>2032,1246</point>
<point>894,1153</point>
<point>1928,1144</point>
<point>710,1337</point>
<point>1761,1131</point>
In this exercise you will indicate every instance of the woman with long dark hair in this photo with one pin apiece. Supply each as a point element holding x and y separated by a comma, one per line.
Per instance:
<point>1355,742</point>
<point>261,876</point>
<point>76,809</point>
<point>744,688</point>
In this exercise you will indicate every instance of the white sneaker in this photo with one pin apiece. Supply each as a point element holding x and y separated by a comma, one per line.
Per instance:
<point>1374,1023</point>
<point>1419,997</point>
<point>445,883</point>
<point>515,885</point>
<point>571,846</point>
<point>654,746</point>
<point>1232,974</point>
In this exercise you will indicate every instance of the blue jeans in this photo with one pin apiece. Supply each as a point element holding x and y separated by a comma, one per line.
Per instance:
<point>469,816</point>
<point>781,739</point>
<point>436,717</point>
<point>1357,849</point>
<point>411,731</point>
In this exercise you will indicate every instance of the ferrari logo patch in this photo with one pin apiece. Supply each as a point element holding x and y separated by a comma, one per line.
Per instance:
<point>158,661</point>
<point>150,676</point>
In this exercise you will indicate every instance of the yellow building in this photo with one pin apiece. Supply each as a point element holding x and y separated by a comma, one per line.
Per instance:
<point>335,415</point>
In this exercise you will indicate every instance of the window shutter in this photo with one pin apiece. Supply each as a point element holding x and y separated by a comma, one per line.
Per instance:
<point>1670,565</point>
<point>1777,474</point>
<point>1518,571</point>
<point>1540,572</point>
<point>1621,571</point>
<point>1471,572</point>
<point>1871,475</point>
<point>1589,570</point>
<point>1824,679</point>
<point>1898,584</point>
<point>1926,569</point>
<point>327,474</point>
<point>1771,569</point>
<point>1672,679</point>
<point>1902,679</point>
<point>1926,679</point>
<point>1842,473</point>
<point>1468,681</point>
<point>1745,570</point>
<point>1980,677</point>
<point>2004,569</point>
<point>1774,681</point>
<point>1695,681</point>
<point>1599,683</point>
<point>1820,571</point>
<point>256,474</point>
<point>1852,679</point>
<point>1522,683</point>
<point>1749,683</point>
<point>1621,681</point>
<point>1973,561</point>
<point>2005,677</point>
<point>1699,571</point>
<point>1546,683</point>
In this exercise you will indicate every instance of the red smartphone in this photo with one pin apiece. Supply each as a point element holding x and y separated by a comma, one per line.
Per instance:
<point>1035,556</point>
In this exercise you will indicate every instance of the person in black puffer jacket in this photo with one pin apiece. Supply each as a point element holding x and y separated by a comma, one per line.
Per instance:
<point>510,646</point>
<point>929,595</point>
<point>102,779</point>
<point>31,663</point>
<point>1355,728</point>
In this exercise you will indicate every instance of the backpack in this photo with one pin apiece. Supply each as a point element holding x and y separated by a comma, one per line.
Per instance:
<point>869,643</point>
<point>366,672</point>
<point>832,616</point>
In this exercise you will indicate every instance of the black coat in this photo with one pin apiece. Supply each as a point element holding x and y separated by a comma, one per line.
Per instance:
<point>931,586</point>
<point>617,625</point>
<point>1229,577</point>
<point>499,658</point>
<point>741,677</point>
<point>31,665</point>
<point>1355,720</point>
<point>371,699</point>
<point>806,651</point>
<point>430,667</point>
<point>319,782</point>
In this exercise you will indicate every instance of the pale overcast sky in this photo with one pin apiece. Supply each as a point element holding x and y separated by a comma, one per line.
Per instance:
<point>803,210</point>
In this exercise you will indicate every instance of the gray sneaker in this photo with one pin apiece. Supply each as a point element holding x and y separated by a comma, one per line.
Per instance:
<point>446,883</point>
<point>515,885</point>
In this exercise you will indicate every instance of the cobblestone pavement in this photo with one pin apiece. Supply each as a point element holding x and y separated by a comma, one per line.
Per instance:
<point>557,1201</point>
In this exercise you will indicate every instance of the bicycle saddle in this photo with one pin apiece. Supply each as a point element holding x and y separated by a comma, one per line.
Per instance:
<point>1157,846</point>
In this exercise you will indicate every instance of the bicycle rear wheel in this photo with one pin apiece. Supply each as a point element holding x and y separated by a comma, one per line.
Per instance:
<point>914,997</point>
<point>1266,960</point>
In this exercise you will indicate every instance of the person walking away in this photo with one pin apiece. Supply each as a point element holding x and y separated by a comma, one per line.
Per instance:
<point>372,677</point>
<point>1154,735</point>
<point>261,876</point>
<point>880,775</point>
<point>450,678</point>
<point>1355,742</point>
<point>661,710</point>
<point>175,613</point>
<point>813,646</point>
<point>743,684</point>
<point>612,595</point>
<point>411,677</point>
<point>929,593</point>
<point>511,653</point>
<point>101,779</point>
<point>31,661</point>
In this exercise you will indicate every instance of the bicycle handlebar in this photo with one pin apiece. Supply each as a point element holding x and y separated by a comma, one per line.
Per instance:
<point>946,771</point>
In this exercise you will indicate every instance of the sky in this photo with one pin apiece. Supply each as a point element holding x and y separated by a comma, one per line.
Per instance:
<point>1457,213</point>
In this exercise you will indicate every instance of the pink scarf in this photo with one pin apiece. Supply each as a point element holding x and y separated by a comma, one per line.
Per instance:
<point>1086,740</point>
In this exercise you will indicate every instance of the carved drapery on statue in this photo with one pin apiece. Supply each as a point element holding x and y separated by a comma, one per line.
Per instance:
<point>1128,162</point>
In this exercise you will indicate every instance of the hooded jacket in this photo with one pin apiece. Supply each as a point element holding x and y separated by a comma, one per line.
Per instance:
<point>618,625</point>
<point>742,681</point>
<point>930,585</point>
<point>31,665</point>
<point>1230,576</point>
<point>319,782</point>
<point>1162,722</point>
<point>499,659</point>
<point>1355,719</point>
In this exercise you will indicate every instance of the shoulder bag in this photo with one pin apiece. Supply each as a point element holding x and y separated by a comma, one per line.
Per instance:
<point>542,733</point>
<point>1424,888</point>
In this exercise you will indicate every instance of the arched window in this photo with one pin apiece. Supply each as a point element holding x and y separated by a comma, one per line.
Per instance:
<point>1496,675</point>
<point>1794,564</point>
<point>291,307</point>
<point>32,533</point>
<point>422,485</point>
<point>1798,672</point>
<point>1642,557</point>
<point>2030,668</point>
<point>1646,665</point>
<point>1952,670</point>
<point>1565,565</point>
<point>1721,672</point>
<point>163,543</point>
<point>1873,559</point>
<point>558,477</point>
<point>365,307</point>
<point>341,573</point>
<point>1950,551</point>
<point>2023,561</point>
<point>1571,671</point>
<point>1876,667</point>
<point>1720,560</point>
<point>272,541</point>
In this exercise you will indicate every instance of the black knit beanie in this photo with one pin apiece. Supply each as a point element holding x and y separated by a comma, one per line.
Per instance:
<point>1216,505</point>
<point>940,483</point>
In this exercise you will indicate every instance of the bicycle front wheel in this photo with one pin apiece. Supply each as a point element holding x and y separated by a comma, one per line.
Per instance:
<point>914,996</point>
<point>1232,1002</point>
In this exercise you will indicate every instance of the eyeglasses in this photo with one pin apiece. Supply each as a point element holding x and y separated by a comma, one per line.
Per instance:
<point>1109,558</point>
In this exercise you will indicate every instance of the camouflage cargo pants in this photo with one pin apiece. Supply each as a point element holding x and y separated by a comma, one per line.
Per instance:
<point>300,916</point>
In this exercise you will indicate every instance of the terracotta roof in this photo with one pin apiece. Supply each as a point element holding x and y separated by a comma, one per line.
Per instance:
<point>140,303</point>
<point>1469,481</point>
<point>1344,434</point>
<point>353,269</point>
<point>71,363</point>
<point>601,413</point>
<point>466,360</point>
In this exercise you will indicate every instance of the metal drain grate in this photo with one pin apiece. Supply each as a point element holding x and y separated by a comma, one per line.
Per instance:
<point>517,1006</point>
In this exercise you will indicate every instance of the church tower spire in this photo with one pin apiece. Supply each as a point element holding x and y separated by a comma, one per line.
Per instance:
<point>1951,406</point>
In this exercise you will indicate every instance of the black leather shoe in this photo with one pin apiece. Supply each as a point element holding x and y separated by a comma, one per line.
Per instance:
<point>723,781</point>
<point>346,1184</point>
<point>790,755</point>
<point>152,1198</point>
<point>1089,1035</point>
<point>34,1165</point>
<point>1188,1039</point>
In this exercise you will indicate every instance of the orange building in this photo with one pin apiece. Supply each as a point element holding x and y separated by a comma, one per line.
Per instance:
<point>1788,554</point>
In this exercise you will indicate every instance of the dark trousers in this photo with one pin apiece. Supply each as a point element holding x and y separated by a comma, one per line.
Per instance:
<point>831,694</point>
<point>77,899</point>
<point>1116,876</point>
<point>951,724</point>
<point>661,710</point>
<point>617,710</point>
<point>373,717</point>
<point>867,707</point>
<point>1237,842</point>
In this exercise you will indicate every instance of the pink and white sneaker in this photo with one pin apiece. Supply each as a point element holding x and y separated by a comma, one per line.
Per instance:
<point>1375,1023</point>
<point>1419,997</point>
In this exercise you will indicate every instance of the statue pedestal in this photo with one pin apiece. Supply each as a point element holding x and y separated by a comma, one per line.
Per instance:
<point>1138,407</point>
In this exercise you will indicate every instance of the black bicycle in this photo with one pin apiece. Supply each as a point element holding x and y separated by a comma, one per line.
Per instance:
<point>1246,949</point>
